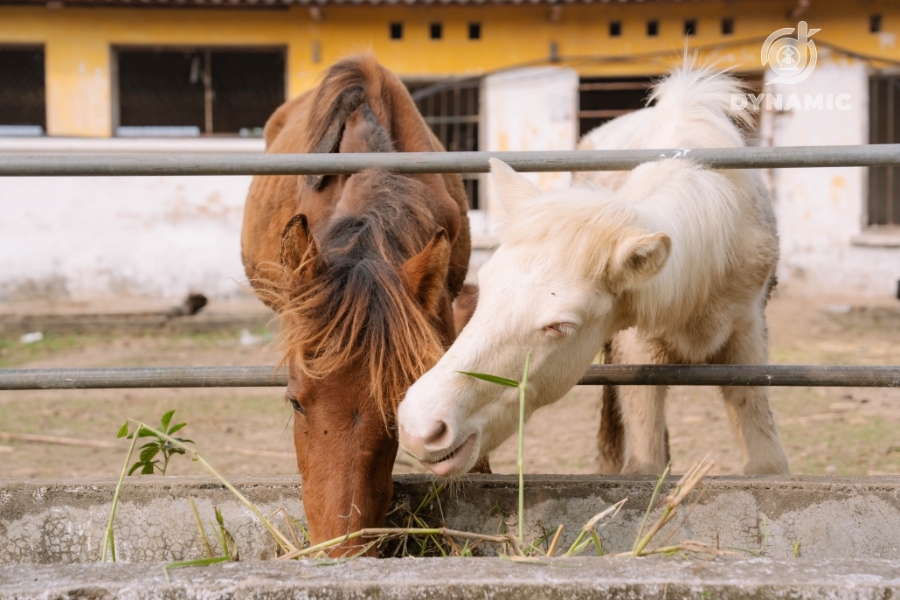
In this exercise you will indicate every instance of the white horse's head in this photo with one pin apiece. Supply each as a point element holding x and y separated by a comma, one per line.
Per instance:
<point>558,285</point>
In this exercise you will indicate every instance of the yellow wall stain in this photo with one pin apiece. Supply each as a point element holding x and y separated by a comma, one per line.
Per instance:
<point>79,42</point>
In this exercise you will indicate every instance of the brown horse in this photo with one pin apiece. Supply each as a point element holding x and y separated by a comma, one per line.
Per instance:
<point>362,269</point>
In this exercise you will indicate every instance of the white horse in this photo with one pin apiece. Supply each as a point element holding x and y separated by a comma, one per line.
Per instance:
<point>672,261</point>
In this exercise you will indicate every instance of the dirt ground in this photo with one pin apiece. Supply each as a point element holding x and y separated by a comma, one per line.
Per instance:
<point>247,431</point>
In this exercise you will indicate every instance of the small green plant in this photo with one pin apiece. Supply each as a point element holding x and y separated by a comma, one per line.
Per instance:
<point>521,385</point>
<point>109,540</point>
<point>160,446</point>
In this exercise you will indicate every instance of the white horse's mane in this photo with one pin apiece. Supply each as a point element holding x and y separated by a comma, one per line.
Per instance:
<point>697,207</point>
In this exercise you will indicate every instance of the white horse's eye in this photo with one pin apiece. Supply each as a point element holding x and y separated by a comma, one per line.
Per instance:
<point>560,329</point>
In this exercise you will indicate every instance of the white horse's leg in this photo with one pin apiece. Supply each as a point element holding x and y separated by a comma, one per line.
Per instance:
<point>643,411</point>
<point>748,407</point>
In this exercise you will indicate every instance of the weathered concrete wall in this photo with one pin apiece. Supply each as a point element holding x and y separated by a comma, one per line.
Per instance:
<point>830,517</point>
<point>826,247</point>
<point>84,238</point>
<point>523,109</point>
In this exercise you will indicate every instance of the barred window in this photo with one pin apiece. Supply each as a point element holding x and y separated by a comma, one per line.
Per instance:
<point>603,99</point>
<point>884,128</point>
<point>199,91</point>
<point>452,109</point>
<point>23,105</point>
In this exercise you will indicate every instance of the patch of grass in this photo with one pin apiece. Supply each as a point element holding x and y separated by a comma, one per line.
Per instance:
<point>213,339</point>
<point>855,444</point>
<point>219,419</point>
<point>13,353</point>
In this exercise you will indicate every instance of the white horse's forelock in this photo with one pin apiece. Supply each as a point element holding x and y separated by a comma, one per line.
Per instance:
<point>580,224</point>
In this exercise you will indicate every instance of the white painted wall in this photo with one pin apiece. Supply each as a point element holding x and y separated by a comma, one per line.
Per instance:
<point>825,247</point>
<point>89,238</point>
<point>530,109</point>
<point>162,237</point>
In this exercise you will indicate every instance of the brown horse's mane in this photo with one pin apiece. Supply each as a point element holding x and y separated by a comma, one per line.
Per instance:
<point>358,307</point>
<point>348,303</point>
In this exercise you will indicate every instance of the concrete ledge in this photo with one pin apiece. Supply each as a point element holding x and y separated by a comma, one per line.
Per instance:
<point>877,238</point>
<point>830,517</point>
<point>133,323</point>
<point>440,578</point>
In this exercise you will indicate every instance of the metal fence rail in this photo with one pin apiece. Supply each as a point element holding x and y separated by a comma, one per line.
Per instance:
<point>49,165</point>
<point>45,165</point>
<point>704,375</point>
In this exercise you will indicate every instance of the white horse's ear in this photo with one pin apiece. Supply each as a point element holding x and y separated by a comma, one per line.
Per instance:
<point>636,259</point>
<point>513,187</point>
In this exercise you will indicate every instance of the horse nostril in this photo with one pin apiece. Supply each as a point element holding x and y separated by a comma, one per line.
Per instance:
<point>437,433</point>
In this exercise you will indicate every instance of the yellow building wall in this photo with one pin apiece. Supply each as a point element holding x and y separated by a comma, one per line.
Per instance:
<point>79,41</point>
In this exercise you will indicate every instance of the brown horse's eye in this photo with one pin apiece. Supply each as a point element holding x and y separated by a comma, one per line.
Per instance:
<point>296,405</point>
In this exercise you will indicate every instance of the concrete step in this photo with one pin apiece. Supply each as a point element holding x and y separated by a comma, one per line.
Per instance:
<point>476,578</point>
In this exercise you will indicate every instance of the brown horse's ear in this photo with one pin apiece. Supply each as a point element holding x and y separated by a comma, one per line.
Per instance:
<point>298,248</point>
<point>328,131</point>
<point>426,272</point>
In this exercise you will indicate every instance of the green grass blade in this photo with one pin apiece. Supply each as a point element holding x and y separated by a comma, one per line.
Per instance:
<point>108,539</point>
<point>659,483</point>
<point>576,543</point>
<point>521,460</point>
<point>203,538</point>
<point>491,378</point>
<point>200,562</point>
<point>597,542</point>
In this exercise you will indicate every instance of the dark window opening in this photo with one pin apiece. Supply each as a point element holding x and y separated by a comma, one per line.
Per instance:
<point>601,100</point>
<point>728,26</point>
<point>690,27</point>
<point>200,91</point>
<point>451,110</point>
<point>875,24</point>
<point>23,103</point>
<point>615,28</point>
<point>884,128</point>
<point>474,31</point>
<point>652,28</point>
<point>396,31</point>
<point>436,31</point>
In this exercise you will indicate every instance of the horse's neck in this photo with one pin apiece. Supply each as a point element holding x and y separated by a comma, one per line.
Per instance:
<point>700,216</point>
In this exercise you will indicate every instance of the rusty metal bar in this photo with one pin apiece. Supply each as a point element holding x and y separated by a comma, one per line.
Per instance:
<point>703,375</point>
<point>46,165</point>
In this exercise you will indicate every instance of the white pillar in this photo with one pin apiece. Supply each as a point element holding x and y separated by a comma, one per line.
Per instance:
<point>530,109</point>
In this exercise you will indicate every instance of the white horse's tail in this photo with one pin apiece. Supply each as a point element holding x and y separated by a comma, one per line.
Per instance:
<point>699,107</point>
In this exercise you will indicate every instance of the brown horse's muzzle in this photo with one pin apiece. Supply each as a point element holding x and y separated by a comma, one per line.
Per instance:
<point>346,457</point>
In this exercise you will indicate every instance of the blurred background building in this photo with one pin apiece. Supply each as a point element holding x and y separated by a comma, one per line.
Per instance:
<point>164,76</point>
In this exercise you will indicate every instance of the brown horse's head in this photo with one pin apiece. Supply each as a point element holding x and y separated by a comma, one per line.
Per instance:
<point>359,326</point>
<point>366,269</point>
